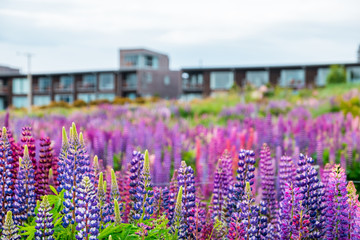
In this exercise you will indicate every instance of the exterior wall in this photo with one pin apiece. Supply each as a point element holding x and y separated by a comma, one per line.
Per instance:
<point>310,76</point>
<point>162,58</point>
<point>8,70</point>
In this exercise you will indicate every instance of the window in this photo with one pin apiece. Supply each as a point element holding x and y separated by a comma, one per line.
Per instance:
<point>64,97</point>
<point>41,100</point>
<point>86,97</point>
<point>221,80</point>
<point>167,80</point>
<point>20,86</point>
<point>130,81</point>
<point>20,102</point>
<point>192,81</point>
<point>89,82</point>
<point>257,78</point>
<point>148,61</point>
<point>108,96</point>
<point>292,78</point>
<point>131,60</point>
<point>353,74</point>
<point>106,81</point>
<point>44,84</point>
<point>321,76</point>
<point>191,96</point>
<point>130,95</point>
<point>147,78</point>
<point>66,83</point>
<point>2,103</point>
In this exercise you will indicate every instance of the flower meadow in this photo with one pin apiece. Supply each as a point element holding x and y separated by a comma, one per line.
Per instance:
<point>124,173</point>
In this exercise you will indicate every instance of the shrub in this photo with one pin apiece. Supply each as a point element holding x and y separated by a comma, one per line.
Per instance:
<point>122,100</point>
<point>337,74</point>
<point>79,103</point>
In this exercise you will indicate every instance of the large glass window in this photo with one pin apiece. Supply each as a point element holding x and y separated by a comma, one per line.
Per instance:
<point>88,82</point>
<point>130,95</point>
<point>194,80</point>
<point>167,80</point>
<point>2,103</point>
<point>292,78</point>
<point>86,97</point>
<point>20,102</point>
<point>44,84</point>
<point>66,83</point>
<point>20,86</point>
<point>42,100</point>
<point>131,60</point>
<point>106,81</point>
<point>64,97</point>
<point>221,80</point>
<point>257,78</point>
<point>353,74</point>
<point>108,96</point>
<point>130,80</point>
<point>321,76</point>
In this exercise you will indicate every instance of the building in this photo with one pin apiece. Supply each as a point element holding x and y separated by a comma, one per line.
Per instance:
<point>147,75</point>
<point>8,70</point>
<point>358,55</point>
<point>203,82</point>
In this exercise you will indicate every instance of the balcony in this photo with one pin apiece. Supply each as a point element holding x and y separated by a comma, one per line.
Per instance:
<point>132,86</point>
<point>38,89</point>
<point>86,87</point>
<point>58,87</point>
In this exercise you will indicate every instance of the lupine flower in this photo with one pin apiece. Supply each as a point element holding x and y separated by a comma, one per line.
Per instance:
<point>144,197</point>
<point>354,212</point>
<point>267,174</point>
<point>337,206</point>
<point>25,197</point>
<point>117,217</point>
<point>245,173</point>
<point>76,168</point>
<point>61,160</point>
<point>6,177</point>
<point>114,194</point>
<point>286,173</point>
<point>87,211</point>
<point>102,197</point>
<point>186,180</point>
<point>44,221</point>
<point>170,197</point>
<point>9,229</point>
<point>45,163</point>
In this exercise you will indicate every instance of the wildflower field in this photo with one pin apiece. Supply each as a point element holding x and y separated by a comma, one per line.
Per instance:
<point>270,169</point>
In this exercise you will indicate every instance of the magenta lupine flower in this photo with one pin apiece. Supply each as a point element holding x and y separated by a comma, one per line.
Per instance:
<point>292,219</point>
<point>286,173</point>
<point>354,212</point>
<point>44,221</point>
<point>45,163</point>
<point>337,205</point>
<point>6,177</point>
<point>267,174</point>
<point>25,196</point>
<point>187,182</point>
<point>87,211</point>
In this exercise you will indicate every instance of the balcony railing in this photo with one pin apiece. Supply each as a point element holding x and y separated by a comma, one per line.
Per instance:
<point>4,89</point>
<point>85,87</point>
<point>38,89</point>
<point>192,87</point>
<point>58,87</point>
<point>127,86</point>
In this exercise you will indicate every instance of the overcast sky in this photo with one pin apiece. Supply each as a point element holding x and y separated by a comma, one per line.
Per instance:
<point>72,35</point>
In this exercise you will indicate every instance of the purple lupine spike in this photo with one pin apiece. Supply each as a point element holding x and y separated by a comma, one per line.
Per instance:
<point>319,153</point>
<point>312,195</point>
<point>342,160</point>
<point>144,196</point>
<point>354,212</point>
<point>25,196</point>
<point>44,221</point>
<point>61,160</point>
<point>27,139</point>
<point>337,210</point>
<point>9,229</point>
<point>187,182</point>
<point>6,177</point>
<point>267,174</point>
<point>222,183</point>
<point>245,173</point>
<point>87,211</point>
<point>169,198</point>
<point>77,166</point>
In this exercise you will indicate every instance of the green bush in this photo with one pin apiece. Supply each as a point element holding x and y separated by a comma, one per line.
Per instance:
<point>122,100</point>
<point>60,104</point>
<point>337,74</point>
<point>79,103</point>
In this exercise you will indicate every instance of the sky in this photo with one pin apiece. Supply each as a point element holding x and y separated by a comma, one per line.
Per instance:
<point>78,35</point>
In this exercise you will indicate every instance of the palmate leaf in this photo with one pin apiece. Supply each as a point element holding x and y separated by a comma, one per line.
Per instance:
<point>120,232</point>
<point>27,230</point>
